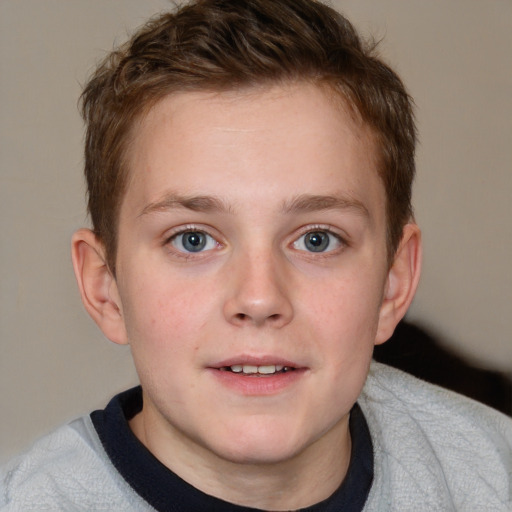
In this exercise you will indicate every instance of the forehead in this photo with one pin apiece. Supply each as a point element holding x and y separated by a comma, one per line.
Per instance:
<point>294,138</point>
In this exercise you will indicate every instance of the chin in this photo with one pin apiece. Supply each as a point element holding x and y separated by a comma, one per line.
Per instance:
<point>258,455</point>
<point>260,444</point>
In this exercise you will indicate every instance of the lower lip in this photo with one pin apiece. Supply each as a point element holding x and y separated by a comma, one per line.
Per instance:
<point>253,385</point>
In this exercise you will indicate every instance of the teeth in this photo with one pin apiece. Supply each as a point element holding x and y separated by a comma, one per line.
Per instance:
<point>251,369</point>
<point>266,370</point>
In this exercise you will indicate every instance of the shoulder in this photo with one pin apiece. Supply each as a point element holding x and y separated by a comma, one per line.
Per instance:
<point>66,470</point>
<point>435,445</point>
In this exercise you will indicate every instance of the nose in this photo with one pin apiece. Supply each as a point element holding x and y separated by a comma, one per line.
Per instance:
<point>257,292</point>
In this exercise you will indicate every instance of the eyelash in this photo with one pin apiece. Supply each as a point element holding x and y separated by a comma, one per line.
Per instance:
<point>341,242</point>
<point>168,242</point>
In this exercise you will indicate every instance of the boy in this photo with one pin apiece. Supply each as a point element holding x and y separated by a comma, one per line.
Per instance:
<point>249,168</point>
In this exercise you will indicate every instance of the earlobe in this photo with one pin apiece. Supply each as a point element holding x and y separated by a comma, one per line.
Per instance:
<point>402,281</point>
<point>98,287</point>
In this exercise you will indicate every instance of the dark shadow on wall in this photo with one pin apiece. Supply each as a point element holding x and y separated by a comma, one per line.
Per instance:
<point>415,351</point>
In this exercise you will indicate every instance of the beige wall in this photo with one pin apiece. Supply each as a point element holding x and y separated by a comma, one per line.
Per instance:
<point>454,55</point>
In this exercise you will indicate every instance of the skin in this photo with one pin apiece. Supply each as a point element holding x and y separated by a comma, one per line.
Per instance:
<point>253,172</point>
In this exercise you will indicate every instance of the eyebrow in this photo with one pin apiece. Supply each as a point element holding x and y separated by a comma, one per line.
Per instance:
<point>304,203</point>
<point>194,203</point>
<point>313,203</point>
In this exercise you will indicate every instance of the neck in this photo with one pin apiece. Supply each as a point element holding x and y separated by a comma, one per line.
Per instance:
<point>306,478</point>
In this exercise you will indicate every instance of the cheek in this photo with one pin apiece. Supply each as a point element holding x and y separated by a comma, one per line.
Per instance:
<point>346,316</point>
<point>164,314</point>
<point>162,327</point>
<point>347,307</point>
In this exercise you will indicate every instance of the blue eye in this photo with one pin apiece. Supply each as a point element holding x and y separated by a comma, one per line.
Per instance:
<point>193,241</point>
<point>317,241</point>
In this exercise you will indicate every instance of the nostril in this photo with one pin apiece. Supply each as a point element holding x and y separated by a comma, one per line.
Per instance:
<point>242,317</point>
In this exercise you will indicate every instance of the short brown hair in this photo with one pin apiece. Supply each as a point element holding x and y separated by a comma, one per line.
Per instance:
<point>227,44</point>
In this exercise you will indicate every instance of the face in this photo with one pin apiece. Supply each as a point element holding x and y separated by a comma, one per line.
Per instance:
<point>251,271</point>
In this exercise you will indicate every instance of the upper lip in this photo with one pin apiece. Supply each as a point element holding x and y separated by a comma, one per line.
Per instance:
<point>256,361</point>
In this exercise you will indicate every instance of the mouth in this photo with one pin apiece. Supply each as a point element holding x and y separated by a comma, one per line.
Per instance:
<point>258,376</point>
<point>250,370</point>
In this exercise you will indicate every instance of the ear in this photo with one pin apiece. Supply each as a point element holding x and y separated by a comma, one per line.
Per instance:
<point>97,285</point>
<point>401,284</point>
